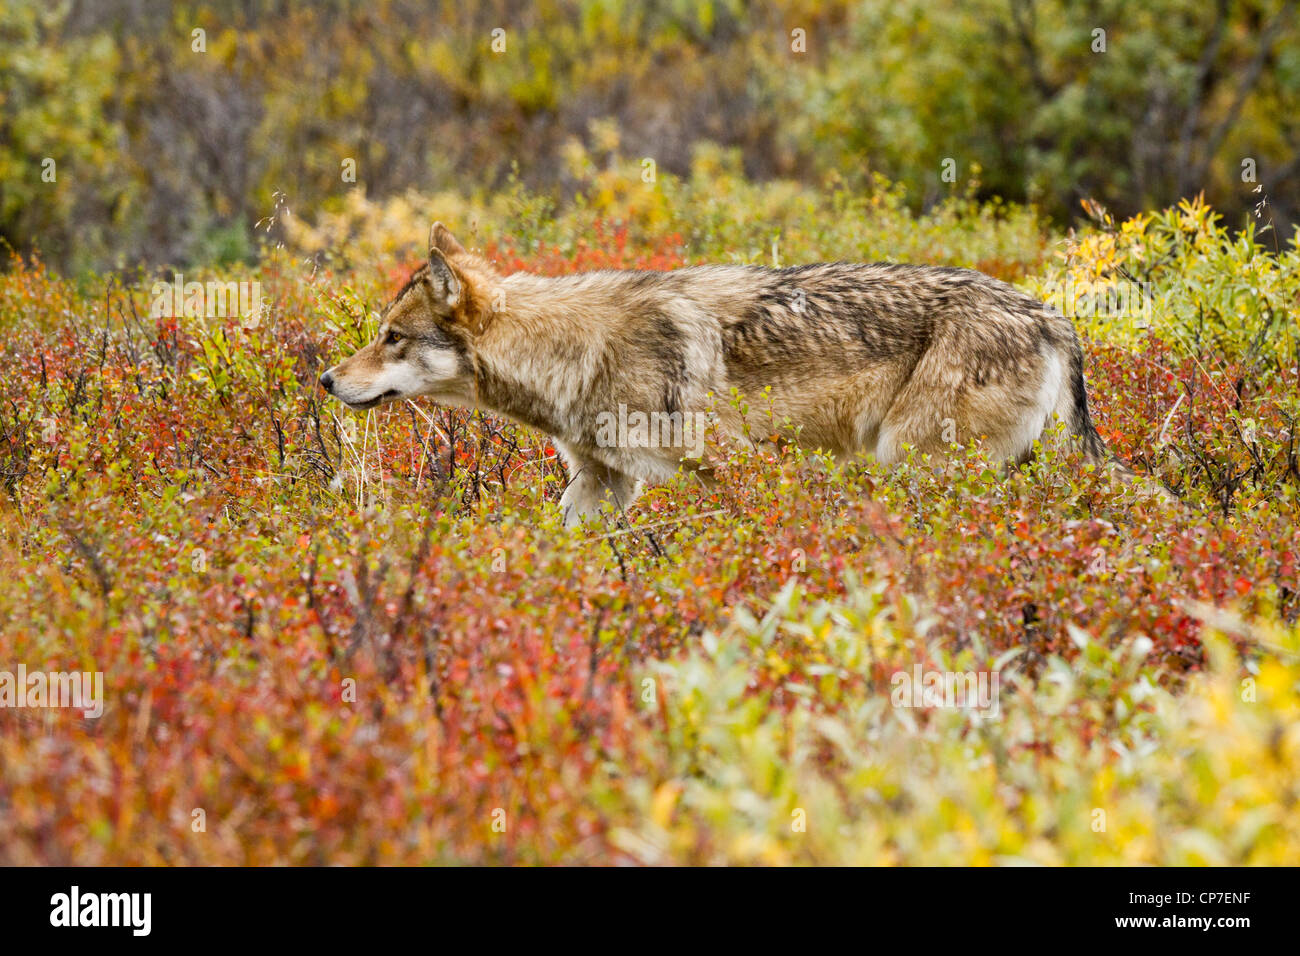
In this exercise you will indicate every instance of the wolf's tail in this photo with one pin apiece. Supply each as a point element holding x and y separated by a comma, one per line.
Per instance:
<point>1080,420</point>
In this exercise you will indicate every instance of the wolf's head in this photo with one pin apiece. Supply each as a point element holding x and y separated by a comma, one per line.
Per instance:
<point>426,333</point>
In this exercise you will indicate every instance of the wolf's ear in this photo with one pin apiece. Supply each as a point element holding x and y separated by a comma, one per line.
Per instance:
<point>446,283</point>
<point>440,238</point>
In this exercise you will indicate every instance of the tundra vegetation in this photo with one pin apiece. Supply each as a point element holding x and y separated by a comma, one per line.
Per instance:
<point>330,637</point>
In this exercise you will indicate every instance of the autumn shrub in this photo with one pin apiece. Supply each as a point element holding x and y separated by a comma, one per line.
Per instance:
<point>339,638</point>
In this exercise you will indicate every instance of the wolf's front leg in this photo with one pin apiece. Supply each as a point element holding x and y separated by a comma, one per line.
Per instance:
<point>591,486</point>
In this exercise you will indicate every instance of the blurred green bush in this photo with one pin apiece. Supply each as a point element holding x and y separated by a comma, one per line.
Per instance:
<point>175,132</point>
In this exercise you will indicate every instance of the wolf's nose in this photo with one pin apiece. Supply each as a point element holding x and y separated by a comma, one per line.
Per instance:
<point>327,381</point>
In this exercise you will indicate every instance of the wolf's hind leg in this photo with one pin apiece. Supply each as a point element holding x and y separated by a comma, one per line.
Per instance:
<point>592,486</point>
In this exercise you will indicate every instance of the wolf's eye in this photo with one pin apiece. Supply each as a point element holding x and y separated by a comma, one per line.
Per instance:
<point>393,337</point>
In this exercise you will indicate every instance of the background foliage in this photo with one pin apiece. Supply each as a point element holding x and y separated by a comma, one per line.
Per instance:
<point>171,156</point>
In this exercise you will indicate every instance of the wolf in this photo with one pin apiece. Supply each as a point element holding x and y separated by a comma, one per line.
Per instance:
<point>854,359</point>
